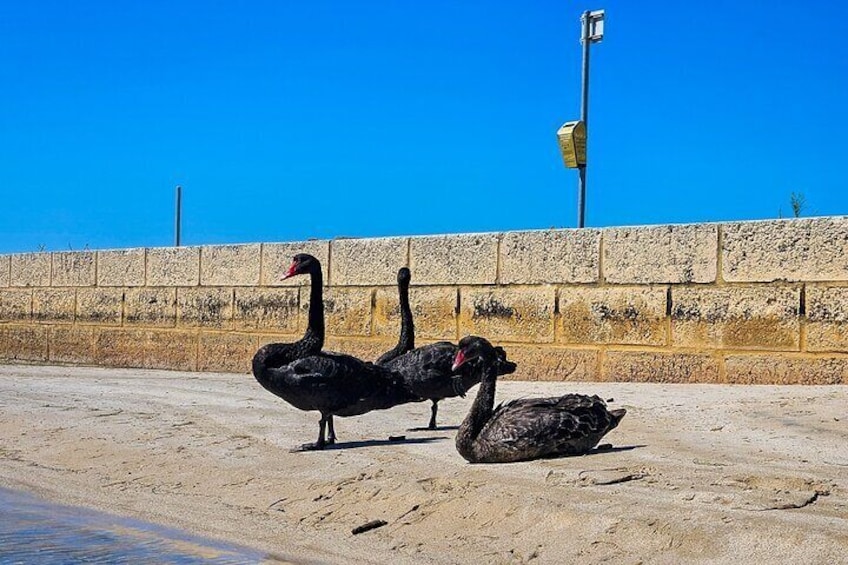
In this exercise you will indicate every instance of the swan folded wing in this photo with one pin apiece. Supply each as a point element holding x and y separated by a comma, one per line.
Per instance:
<point>433,357</point>
<point>321,381</point>
<point>426,366</point>
<point>546,424</point>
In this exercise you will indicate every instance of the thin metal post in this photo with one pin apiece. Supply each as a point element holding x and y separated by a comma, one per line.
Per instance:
<point>584,117</point>
<point>178,216</point>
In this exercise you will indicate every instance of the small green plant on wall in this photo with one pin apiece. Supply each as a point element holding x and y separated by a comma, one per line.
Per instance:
<point>798,204</point>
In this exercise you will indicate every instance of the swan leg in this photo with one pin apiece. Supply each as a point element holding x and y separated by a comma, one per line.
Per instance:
<point>433,409</point>
<point>321,443</point>
<point>331,433</point>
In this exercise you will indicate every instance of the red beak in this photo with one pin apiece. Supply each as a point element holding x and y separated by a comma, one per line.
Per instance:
<point>458,360</point>
<point>290,273</point>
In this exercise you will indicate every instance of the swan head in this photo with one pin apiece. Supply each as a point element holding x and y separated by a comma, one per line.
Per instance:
<point>301,263</point>
<point>475,349</point>
<point>404,276</point>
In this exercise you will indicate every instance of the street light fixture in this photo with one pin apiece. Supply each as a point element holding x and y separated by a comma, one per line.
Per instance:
<point>573,136</point>
<point>178,214</point>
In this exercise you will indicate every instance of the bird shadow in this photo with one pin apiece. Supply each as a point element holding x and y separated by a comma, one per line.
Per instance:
<point>601,450</point>
<point>378,443</point>
<point>438,429</point>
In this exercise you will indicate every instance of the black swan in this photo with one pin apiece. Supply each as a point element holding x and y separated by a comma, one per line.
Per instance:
<point>335,385</point>
<point>528,428</point>
<point>427,370</point>
<point>406,341</point>
<point>278,354</point>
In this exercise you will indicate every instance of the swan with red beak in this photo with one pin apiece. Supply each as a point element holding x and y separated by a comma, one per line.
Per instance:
<point>527,428</point>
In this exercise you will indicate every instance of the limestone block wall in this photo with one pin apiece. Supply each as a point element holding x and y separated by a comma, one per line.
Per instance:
<point>747,302</point>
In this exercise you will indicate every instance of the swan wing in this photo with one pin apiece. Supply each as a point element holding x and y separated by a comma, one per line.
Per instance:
<point>546,424</point>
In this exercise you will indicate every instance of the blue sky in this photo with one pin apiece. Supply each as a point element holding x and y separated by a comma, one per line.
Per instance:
<point>291,120</point>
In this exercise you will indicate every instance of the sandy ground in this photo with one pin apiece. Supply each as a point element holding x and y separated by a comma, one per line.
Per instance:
<point>699,473</point>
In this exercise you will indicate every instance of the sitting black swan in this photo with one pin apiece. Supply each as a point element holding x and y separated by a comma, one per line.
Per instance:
<point>528,428</point>
<point>335,385</point>
<point>278,354</point>
<point>427,370</point>
<point>406,341</point>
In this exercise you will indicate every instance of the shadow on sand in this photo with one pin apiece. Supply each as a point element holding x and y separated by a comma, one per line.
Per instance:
<point>381,442</point>
<point>602,449</point>
<point>438,429</point>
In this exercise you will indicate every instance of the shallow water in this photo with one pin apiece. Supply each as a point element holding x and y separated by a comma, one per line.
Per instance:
<point>34,531</point>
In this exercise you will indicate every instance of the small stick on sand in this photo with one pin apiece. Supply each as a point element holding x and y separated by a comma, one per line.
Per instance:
<point>368,526</point>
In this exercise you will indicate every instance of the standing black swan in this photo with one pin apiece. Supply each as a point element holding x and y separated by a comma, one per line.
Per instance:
<point>406,341</point>
<point>331,383</point>
<point>278,354</point>
<point>427,370</point>
<point>274,355</point>
<point>334,384</point>
<point>528,428</point>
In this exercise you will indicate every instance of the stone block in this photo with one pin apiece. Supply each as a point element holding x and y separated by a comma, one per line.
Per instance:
<point>230,265</point>
<point>24,343</point>
<point>30,269</point>
<point>761,317</point>
<point>512,314</point>
<point>73,268</point>
<point>150,306</point>
<point>173,266</point>
<point>347,310</point>
<point>786,370</point>
<point>5,270</point>
<point>661,254</point>
<point>175,350</point>
<point>102,306</point>
<point>53,304</point>
<point>267,308</point>
<point>205,307</point>
<point>810,249</point>
<point>15,305</point>
<point>550,256</point>
<point>275,337</point>
<point>659,367</point>
<point>362,348</point>
<point>72,344</point>
<point>120,267</point>
<point>433,313</point>
<point>613,315</point>
<point>120,347</point>
<point>827,318</point>
<point>226,352</point>
<point>367,262</point>
<point>277,257</point>
<point>454,259</point>
<point>541,363</point>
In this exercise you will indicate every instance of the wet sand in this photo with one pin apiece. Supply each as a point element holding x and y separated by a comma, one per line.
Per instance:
<point>698,473</point>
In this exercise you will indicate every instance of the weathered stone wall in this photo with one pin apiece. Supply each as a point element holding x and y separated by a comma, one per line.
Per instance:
<point>749,302</point>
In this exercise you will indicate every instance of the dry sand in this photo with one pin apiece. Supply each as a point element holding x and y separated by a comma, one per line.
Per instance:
<point>708,473</point>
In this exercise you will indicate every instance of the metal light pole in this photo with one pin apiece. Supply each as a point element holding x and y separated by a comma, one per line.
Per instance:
<point>592,32</point>
<point>178,212</point>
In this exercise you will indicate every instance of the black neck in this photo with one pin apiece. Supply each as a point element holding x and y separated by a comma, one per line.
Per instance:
<point>407,328</point>
<point>481,409</point>
<point>315,326</point>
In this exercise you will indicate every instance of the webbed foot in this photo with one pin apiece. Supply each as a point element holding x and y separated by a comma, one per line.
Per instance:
<point>315,446</point>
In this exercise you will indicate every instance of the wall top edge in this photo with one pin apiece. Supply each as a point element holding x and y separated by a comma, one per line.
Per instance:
<point>809,219</point>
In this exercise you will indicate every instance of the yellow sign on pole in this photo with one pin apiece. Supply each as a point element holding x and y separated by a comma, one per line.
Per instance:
<point>572,143</point>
